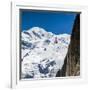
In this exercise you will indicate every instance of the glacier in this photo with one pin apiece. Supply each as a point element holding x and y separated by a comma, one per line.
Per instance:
<point>42,53</point>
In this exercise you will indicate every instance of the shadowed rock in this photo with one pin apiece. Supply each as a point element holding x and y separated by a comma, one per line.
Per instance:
<point>71,65</point>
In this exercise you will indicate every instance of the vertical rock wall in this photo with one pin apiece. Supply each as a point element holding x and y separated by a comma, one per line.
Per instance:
<point>71,65</point>
<point>73,55</point>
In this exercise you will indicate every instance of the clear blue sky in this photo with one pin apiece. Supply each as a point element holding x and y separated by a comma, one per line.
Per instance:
<point>56,22</point>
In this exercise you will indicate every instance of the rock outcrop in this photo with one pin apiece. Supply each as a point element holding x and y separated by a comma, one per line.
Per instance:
<point>71,65</point>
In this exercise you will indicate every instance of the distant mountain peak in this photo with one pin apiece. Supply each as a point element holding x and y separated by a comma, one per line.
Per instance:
<point>37,33</point>
<point>43,52</point>
<point>36,29</point>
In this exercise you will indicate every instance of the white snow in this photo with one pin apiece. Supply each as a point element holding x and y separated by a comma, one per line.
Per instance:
<point>42,57</point>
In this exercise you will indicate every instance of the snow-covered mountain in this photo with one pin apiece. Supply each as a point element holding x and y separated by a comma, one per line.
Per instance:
<point>42,53</point>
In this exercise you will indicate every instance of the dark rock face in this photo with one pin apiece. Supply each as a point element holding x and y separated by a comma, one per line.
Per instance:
<point>73,56</point>
<point>71,65</point>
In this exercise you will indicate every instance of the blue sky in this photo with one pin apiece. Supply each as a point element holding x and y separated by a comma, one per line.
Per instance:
<point>56,22</point>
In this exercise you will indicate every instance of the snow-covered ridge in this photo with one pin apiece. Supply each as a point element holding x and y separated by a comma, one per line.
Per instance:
<point>42,53</point>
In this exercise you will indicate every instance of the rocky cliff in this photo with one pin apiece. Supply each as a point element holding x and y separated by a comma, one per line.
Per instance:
<point>71,65</point>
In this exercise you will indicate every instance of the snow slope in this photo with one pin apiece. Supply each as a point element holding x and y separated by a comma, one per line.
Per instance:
<point>42,53</point>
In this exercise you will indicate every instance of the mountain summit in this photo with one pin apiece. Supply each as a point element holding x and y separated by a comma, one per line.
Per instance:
<point>42,52</point>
